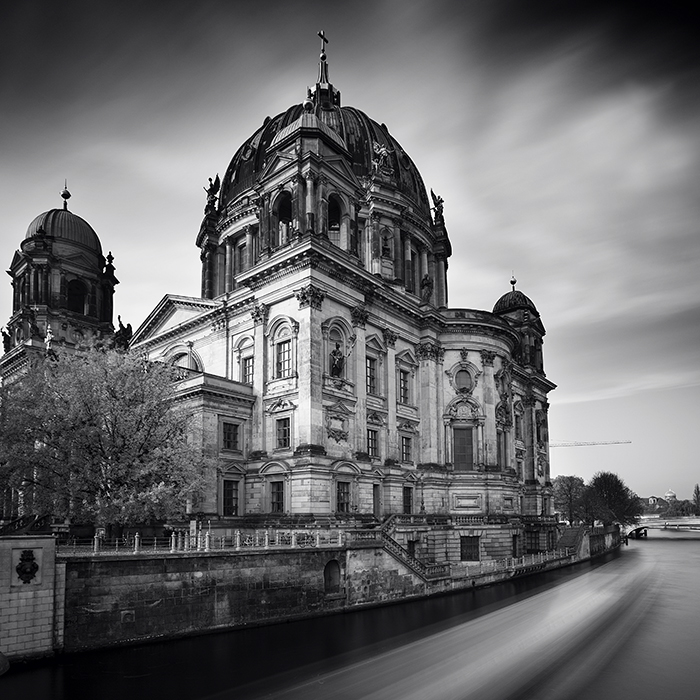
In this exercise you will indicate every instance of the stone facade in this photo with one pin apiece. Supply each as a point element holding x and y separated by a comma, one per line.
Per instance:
<point>326,373</point>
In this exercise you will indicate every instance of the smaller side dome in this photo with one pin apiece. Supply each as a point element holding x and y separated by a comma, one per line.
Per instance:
<point>64,224</point>
<point>514,300</point>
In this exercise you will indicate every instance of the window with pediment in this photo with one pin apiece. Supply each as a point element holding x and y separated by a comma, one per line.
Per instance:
<point>374,367</point>
<point>335,215</point>
<point>463,420</point>
<point>283,342</point>
<point>405,379</point>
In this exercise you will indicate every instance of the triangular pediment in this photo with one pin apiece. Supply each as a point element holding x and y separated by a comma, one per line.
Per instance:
<point>375,343</point>
<point>280,161</point>
<point>339,407</point>
<point>340,166</point>
<point>407,357</point>
<point>173,312</point>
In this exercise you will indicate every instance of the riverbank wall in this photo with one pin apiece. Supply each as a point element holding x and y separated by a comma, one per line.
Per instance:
<point>72,600</point>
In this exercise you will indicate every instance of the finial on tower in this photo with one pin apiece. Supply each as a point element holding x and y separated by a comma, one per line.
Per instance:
<point>65,194</point>
<point>513,281</point>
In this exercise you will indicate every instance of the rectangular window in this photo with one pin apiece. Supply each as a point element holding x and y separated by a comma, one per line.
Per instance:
<point>406,444</point>
<point>230,497</point>
<point>407,500</point>
<point>404,387</point>
<point>277,496</point>
<point>241,255</point>
<point>283,359</point>
<point>230,436</point>
<point>372,387</point>
<point>372,442</point>
<point>247,370</point>
<point>463,449</point>
<point>284,435</point>
<point>518,427</point>
<point>469,548</point>
<point>343,496</point>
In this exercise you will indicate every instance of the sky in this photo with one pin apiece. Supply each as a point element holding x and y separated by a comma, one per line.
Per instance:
<point>563,136</point>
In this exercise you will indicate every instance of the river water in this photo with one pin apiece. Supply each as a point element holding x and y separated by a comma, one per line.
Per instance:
<point>622,627</point>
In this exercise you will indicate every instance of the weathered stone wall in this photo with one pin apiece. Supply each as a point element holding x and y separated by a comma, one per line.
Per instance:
<point>120,599</point>
<point>374,576</point>
<point>27,596</point>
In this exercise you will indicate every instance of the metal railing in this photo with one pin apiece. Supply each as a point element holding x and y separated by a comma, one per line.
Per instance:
<point>183,541</point>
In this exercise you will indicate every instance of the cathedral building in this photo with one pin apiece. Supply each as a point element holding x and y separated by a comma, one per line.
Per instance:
<point>329,380</point>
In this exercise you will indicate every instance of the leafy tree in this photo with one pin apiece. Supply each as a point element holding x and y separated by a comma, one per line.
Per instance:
<point>96,437</point>
<point>568,497</point>
<point>611,501</point>
<point>696,499</point>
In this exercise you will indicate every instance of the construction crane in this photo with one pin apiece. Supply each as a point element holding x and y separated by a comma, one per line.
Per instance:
<point>588,444</point>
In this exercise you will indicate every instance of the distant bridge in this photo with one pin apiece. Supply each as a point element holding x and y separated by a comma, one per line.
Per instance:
<point>641,529</point>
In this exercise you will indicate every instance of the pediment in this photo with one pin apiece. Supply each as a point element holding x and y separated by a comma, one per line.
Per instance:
<point>406,357</point>
<point>280,161</point>
<point>172,312</point>
<point>339,165</point>
<point>339,408</point>
<point>374,343</point>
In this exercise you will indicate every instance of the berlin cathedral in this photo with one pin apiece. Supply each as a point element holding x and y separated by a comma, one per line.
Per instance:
<point>328,377</point>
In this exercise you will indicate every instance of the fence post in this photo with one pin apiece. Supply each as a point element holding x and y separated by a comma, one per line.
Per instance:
<point>96,543</point>
<point>238,539</point>
<point>267,539</point>
<point>137,543</point>
<point>207,542</point>
<point>294,539</point>
<point>173,542</point>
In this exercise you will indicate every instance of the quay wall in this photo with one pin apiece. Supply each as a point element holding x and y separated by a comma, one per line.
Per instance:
<point>84,601</point>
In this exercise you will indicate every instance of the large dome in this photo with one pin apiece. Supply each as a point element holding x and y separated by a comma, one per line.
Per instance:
<point>64,224</point>
<point>358,134</point>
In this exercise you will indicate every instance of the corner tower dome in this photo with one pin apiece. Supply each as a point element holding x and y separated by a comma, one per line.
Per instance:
<point>514,300</point>
<point>64,224</point>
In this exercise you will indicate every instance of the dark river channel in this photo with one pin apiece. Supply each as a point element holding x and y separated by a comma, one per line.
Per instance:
<point>623,627</point>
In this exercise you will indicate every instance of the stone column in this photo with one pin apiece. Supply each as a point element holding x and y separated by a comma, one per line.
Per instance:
<point>249,253</point>
<point>228,270</point>
<point>409,276</point>
<point>398,257</point>
<point>358,357</point>
<point>390,374</point>
<point>490,400</point>
<point>322,205</point>
<point>423,262</point>
<point>441,283</point>
<point>260,314</point>
<point>310,202</point>
<point>430,355</point>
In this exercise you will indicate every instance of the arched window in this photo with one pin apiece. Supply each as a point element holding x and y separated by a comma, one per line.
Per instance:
<point>334,217</point>
<point>331,577</point>
<point>284,218</point>
<point>76,296</point>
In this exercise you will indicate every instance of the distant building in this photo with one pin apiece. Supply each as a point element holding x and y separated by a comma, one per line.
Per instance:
<point>329,377</point>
